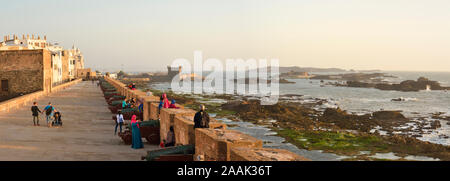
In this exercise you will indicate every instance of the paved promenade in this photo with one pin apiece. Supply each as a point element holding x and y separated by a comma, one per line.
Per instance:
<point>87,134</point>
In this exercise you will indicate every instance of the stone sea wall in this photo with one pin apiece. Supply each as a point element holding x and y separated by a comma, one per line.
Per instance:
<point>216,143</point>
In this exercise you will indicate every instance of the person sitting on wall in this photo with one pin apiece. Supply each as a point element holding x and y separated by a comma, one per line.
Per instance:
<point>172,105</point>
<point>170,140</point>
<point>201,118</point>
<point>132,103</point>
<point>163,102</point>
<point>166,103</point>
<point>124,104</point>
<point>149,93</point>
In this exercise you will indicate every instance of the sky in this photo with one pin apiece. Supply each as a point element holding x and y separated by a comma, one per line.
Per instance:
<point>147,35</point>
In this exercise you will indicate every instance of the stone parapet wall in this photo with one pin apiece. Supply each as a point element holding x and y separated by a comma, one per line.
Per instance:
<point>18,102</point>
<point>154,114</point>
<point>167,119</point>
<point>66,85</point>
<point>216,144</point>
<point>125,91</point>
<point>184,129</point>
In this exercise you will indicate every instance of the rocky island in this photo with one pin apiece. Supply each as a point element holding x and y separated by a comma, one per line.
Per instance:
<point>406,86</point>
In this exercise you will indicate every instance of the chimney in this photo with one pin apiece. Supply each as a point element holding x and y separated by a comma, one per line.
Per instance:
<point>23,36</point>
<point>39,37</point>
<point>32,37</point>
<point>45,37</point>
<point>28,36</point>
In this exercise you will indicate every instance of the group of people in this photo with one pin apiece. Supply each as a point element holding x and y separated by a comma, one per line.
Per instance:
<point>164,102</point>
<point>53,116</point>
<point>201,120</point>
<point>136,141</point>
<point>133,103</point>
<point>132,86</point>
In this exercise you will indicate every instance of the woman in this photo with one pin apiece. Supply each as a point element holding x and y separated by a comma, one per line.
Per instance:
<point>165,101</point>
<point>172,104</point>
<point>124,104</point>
<point>136,134</point>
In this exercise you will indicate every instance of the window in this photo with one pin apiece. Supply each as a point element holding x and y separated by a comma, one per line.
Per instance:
<point>5,85</point>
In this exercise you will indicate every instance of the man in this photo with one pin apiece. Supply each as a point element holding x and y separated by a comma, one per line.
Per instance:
<point>201,118</point>
<point>119,122</point>
<point>49,113</point>
<point>35,110</point>
<point>149,93</point>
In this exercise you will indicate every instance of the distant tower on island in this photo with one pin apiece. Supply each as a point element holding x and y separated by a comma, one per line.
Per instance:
<point>172,71</point>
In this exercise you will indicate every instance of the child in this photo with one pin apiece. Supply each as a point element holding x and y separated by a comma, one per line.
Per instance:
<point>35,110</point>
<point>57,119</point>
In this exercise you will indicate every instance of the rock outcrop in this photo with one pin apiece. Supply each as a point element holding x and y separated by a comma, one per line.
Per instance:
<point>405,86</point>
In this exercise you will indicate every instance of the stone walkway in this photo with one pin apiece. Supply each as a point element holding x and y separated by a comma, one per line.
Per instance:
<point>87,134</point>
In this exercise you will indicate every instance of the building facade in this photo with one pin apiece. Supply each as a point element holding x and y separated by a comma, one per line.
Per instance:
<point>30,63</point>
<point>25,71</point>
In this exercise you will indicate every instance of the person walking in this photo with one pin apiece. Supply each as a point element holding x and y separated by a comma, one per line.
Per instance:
<point>201,118</point>
<point>119,122</point>
<point>49,109</point>
<point>35,110</point>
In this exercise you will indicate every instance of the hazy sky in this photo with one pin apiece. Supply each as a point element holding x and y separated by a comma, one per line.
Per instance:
<point>147,35</point>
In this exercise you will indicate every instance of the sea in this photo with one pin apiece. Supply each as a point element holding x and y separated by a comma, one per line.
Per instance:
<point>365,100</point>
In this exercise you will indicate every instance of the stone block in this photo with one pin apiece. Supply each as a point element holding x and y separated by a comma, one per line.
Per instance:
<point>167,118</point>
<point>216,144</point>
<point>263,154</point>
<point>184,129</point>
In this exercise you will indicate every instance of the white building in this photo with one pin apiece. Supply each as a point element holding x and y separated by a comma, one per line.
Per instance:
<point>57,52</point>
<point>76,59</point>
<point>36,42</point>
<point>26,43</point>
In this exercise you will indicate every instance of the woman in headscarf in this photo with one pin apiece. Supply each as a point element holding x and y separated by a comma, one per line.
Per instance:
<point>166,103</point>
<point>172,104</point>
<point>124,104</point>
<point>136,134</point>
